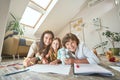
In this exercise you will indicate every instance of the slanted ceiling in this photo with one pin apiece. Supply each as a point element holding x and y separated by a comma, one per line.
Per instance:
<point>60,15</point>
<point>17,7</point>
<point>57,19</point>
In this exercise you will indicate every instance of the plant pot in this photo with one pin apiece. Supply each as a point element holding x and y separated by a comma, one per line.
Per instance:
<point>115,51</point>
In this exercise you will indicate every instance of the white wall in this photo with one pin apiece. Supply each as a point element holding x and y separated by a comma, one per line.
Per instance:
<point>4,8</point>
<point>112,20</point>
<point>17,8</point>
<point>105,10</point>
<point>64,31</point>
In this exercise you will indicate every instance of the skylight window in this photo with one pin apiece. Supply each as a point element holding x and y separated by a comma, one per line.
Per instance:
<point>34,12</point>
<point>42,3</point>
<point>30,17</point>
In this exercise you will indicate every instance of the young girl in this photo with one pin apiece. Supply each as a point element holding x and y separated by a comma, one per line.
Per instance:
<point>39,50</point>
<point>52,54</point>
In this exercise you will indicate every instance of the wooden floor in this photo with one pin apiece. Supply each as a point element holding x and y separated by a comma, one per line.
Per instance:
<point>10,65</point>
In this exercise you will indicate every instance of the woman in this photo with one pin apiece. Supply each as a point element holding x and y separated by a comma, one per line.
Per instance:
<point>39,50</point>
<point>82,53</point>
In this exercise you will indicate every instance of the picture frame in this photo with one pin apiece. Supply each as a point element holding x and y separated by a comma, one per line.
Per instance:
<point>77,28</point>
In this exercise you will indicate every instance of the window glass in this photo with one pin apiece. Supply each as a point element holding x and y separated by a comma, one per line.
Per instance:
<point>30,17</point>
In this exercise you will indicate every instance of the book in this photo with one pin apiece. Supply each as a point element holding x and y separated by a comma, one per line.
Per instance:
<point>47,68</point>
<point>91,69</point>
<point>117,68</point>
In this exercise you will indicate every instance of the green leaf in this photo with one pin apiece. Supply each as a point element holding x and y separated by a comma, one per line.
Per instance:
<point>15,25</point>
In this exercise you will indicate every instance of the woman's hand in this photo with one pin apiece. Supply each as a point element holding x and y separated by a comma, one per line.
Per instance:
<point>29,61</point>
<point>26,62</point>
<point>69,61</point>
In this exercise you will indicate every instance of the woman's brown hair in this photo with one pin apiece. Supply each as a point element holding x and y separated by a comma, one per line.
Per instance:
<point>69,36</point>
<point>44,50</point>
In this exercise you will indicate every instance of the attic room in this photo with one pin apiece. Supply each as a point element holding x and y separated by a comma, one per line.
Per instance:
<point>87,19</point>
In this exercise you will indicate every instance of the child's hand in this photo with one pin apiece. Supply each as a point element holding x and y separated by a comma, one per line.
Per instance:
<point>54,62</point>
<point>47,56</point>
<point>44,61</point>
<point>69,61</point>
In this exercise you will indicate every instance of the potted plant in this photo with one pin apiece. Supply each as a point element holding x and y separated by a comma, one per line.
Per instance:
<point>14,25</point>
<point>113,37</point>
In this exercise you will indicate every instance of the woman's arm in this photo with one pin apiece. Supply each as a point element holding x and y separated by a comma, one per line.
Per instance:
<point>33,49</point>
<point>30,59</point>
